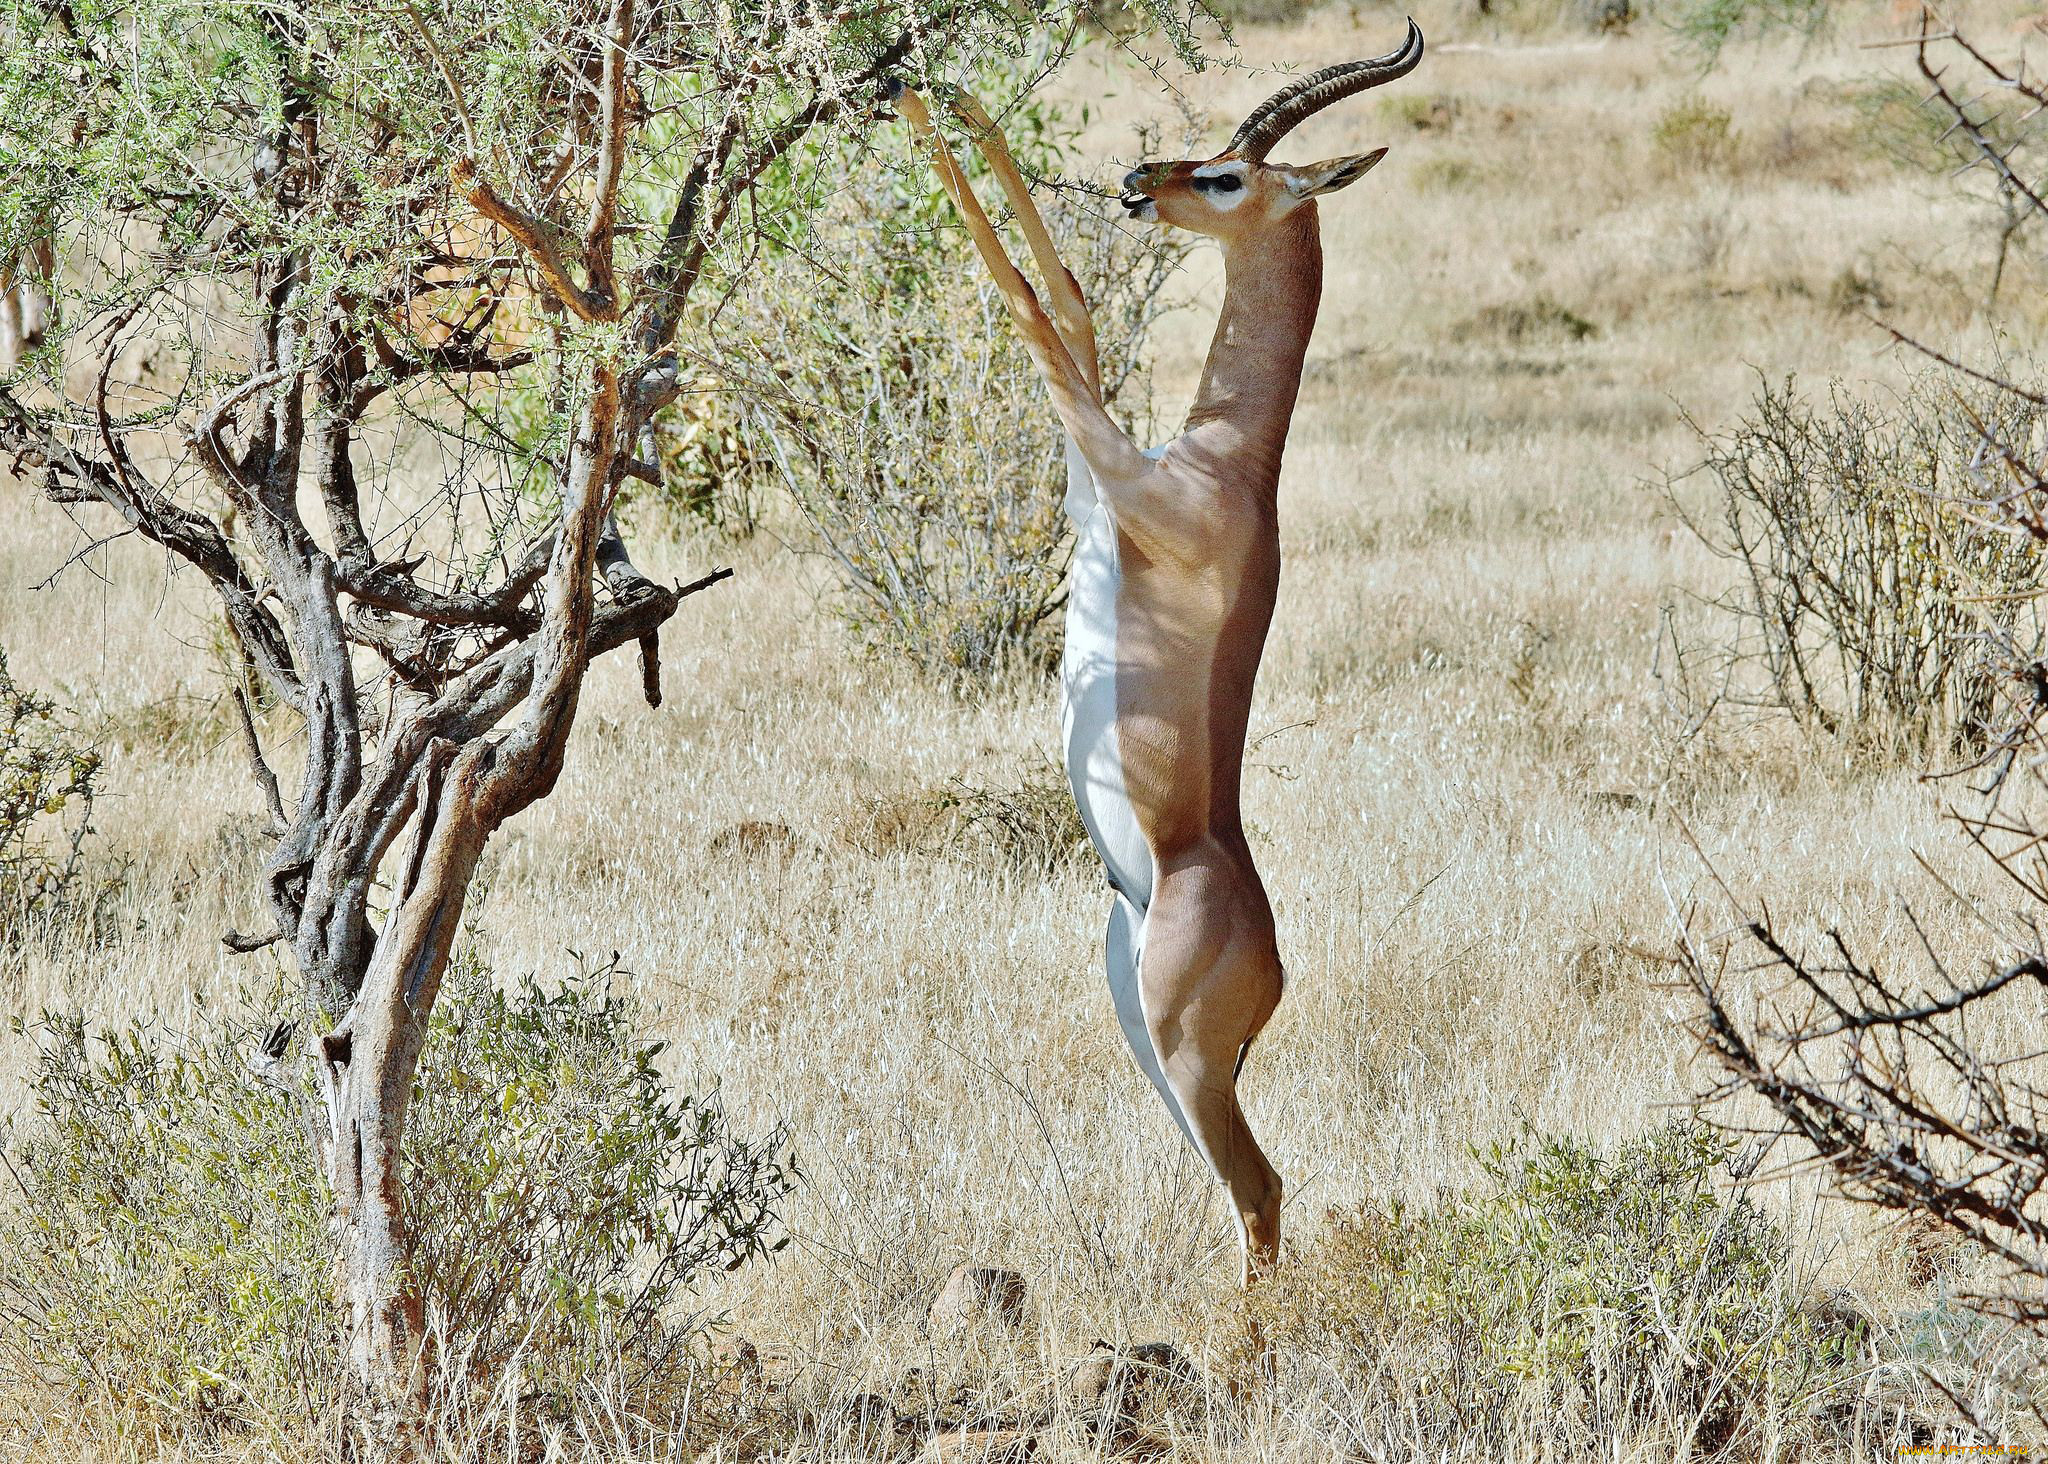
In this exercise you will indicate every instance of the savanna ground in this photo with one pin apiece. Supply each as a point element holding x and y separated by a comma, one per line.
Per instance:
<point>1473,795</point>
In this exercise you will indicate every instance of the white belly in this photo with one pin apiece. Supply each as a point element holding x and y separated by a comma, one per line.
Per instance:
<point>1095,766</point>
<point>1088,691</point>
<point>1088,712</point>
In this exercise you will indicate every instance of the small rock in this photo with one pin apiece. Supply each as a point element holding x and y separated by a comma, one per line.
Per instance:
<point>978,1294</point>
<point>1115,1386</point>
<point>982,1446</point>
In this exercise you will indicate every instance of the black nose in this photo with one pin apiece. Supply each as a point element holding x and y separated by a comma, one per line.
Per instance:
<point>1135,179</point>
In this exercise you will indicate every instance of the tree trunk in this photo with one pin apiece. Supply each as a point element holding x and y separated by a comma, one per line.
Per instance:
<point>464,792</point>
<point>371,1059</point>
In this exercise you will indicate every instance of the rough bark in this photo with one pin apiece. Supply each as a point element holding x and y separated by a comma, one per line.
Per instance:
<point>436,699</point>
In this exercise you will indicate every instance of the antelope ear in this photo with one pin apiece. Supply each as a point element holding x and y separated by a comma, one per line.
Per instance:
<point>1328,177</point>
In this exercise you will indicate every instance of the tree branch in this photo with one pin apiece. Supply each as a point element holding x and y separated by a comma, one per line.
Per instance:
<point>611,156</point>
<point>536,237</point>
<point>71,477</point>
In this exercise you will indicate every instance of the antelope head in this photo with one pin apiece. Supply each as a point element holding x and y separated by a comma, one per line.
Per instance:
<point>1237,191</point>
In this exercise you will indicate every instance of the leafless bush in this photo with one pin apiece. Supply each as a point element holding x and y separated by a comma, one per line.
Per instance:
<point>1878,1072</point>
<point>1870,598</point>
<point>1987,129</point>
<point>913,432</point>
<point>1026,822</point>
<point>1915,1082</point>
<point>1033,825</point>
<point>1913,1076</point>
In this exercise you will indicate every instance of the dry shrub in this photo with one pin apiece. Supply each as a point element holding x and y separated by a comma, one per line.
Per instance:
<point>1446,175</point>
<point>753,838</point>
<point>1576,1299</point>
<point>1694,136</point>
<point>1868,595</point>
<point>1538,320</point>
<point>1032,826</point>
<point>909,821</point>
<point>1911,1071</point>
<point>1259,12</point>
<point>1029,825</point>
<point>170,1266</point>
<point>1914,1082</point>
<point>49,776</point>
<point>1857,289</point>
<point>1551,15</point>
<point>1423,111</point>
<point>910,426</point>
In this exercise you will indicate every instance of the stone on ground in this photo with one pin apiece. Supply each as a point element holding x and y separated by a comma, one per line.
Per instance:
<point>974,1295</point>
<point>1117,1388</point>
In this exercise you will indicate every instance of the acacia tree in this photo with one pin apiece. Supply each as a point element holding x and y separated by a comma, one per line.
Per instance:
<point>366,313</point>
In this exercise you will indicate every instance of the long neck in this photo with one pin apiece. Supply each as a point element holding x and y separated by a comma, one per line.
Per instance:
<point>1272,286</point>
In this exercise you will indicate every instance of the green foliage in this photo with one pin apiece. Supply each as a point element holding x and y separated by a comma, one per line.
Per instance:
<point>1868,598</point>
<point>1616,1295</point>
<point>1536,320</point>
<point>572,1198</point>
<point>1709,25</point>
<point>1447,175</point>
<point>172,1257</point>
<point>49,776</point>
<point>144,121</point>
<point>1574,1261</point>
<point>1895,123</point>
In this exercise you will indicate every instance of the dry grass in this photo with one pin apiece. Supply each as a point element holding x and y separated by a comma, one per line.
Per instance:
<point>1463,789</point>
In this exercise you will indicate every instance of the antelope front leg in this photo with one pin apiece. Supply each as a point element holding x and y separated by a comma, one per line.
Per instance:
<point>1111,456</point>
<point>1069,307</point>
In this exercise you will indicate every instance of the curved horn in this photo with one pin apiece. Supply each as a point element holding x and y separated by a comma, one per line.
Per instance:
<point>1294,103</point>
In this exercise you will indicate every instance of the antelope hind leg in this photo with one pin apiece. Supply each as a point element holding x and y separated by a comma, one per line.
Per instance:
<point>1208,991</point>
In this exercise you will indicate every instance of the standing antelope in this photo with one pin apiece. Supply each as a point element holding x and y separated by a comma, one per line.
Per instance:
<point>1175,572</point>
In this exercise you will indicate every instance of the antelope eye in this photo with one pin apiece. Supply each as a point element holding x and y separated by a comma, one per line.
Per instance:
<point>1225,184</point>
